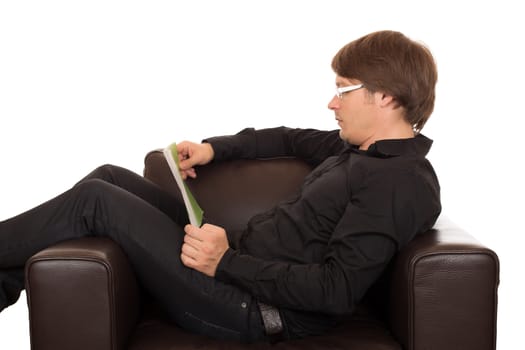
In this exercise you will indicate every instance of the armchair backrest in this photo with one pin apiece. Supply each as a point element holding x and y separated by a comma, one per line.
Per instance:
<point>232,192</point>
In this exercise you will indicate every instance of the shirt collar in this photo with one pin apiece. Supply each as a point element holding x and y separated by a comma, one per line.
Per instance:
<point>414,146</point>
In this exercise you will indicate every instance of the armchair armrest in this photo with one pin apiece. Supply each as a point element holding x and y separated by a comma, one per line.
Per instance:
<point>444,292</point>
<point>82,294</point>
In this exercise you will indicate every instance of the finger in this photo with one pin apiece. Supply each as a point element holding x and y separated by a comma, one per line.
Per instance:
<point>193,242</point>
<point>190,172</point>
<point>211,228</point>
<point>213,231</point>
<point>187,261</point>
<point>193,231</point>
<point>183,147</point>
<point>189,251</point>
<point>183,154</point>
<point>185,163</point>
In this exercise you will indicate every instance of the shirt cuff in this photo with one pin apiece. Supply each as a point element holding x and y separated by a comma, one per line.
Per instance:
<point>237,269</point>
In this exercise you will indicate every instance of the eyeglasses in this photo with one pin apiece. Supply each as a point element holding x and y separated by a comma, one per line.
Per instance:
<point>340,91</point>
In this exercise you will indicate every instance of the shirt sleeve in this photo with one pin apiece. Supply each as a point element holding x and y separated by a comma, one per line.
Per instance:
<point>333,287</point>
<point>364,241</point>
<point>309,144</point>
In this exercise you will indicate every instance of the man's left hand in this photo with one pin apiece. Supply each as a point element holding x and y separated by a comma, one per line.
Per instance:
<point>204,247</point>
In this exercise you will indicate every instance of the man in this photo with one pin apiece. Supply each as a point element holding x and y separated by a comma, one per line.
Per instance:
<point>297,269</point>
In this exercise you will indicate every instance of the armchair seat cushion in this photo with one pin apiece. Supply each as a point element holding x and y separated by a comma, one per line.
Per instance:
<point>155,332</point>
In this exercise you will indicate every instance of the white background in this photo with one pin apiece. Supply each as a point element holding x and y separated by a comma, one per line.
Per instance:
<point>84,83</point>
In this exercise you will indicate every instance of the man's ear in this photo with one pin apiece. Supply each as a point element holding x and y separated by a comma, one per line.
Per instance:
<point>386,100</point>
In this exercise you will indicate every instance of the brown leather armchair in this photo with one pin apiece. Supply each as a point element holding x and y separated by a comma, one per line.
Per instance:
<point>440,292</point>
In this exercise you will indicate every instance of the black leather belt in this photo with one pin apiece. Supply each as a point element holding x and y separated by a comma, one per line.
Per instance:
<point>273,325</point>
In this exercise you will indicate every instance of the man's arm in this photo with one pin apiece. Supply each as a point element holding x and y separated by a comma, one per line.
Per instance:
<point>312,145</point>
<point>332,287</point>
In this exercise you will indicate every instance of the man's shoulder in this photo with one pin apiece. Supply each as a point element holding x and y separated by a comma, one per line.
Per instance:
<point>390,170</point>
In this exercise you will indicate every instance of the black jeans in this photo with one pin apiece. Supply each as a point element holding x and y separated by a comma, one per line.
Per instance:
<point>147,223</point>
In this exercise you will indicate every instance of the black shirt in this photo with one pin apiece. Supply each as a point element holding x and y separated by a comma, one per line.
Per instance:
<point>314,257</point>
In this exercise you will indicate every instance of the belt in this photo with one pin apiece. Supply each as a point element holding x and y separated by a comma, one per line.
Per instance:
<point>273,325</point>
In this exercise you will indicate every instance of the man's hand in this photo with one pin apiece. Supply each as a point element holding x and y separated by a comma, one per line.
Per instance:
<point>204,247</point>
<point>191,154</point>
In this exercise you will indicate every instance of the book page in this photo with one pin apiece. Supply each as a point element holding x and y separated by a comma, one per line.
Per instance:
<point>195,212</point>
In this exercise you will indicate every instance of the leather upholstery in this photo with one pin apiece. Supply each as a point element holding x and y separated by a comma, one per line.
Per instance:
<point>81,289</point>
<point>444,292</point>
<point>440,292</point>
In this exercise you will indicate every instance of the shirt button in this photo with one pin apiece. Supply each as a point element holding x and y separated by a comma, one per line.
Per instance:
<point>244,305</point>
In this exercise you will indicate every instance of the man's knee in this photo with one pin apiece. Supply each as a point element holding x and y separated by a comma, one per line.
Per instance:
<point>92,186</point>
<point>105,172</point>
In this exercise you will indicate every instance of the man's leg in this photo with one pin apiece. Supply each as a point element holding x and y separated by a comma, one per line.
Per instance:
<point>168,203</point>
<point>11,285</point>
<point>152,242</point>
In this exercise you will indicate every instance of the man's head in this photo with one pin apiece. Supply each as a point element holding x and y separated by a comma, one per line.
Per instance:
<point>388,62</point>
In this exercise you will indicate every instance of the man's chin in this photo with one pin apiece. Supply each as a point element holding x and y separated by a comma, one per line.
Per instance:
<point>342,136</point>
<point>345,138</point>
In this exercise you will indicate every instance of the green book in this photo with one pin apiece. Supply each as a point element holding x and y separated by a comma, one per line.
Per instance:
<point>195,213</point>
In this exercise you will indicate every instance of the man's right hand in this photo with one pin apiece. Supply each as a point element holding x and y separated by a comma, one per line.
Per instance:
<point>191,154</point>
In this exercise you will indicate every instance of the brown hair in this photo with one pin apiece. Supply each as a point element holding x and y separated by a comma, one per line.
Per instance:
<point>389,62</point>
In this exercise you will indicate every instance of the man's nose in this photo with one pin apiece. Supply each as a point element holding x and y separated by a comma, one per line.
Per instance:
<point>334,103</point>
